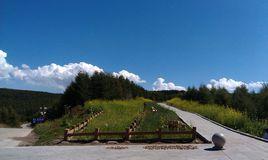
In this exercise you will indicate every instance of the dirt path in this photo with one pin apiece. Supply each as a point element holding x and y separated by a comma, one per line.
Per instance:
<point>11,137</point>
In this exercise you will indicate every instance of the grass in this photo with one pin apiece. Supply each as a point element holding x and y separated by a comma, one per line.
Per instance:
<point>50,131</point>
<point>153,120</point>
<point>117,115</point>
<point>224,115</point>
<point>157,117</point>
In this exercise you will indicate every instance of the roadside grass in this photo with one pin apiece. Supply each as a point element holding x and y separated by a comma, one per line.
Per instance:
<point>223,115</point>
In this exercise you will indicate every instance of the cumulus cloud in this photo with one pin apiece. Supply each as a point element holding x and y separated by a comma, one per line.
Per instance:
<point>131,76</point>
<point>231,84</point>
<point>53,75</point>
<point>5,68</point>
<point>160,84</point>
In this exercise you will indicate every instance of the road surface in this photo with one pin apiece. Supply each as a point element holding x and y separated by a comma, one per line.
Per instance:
<point>237,146</point>
<point>7,135</point>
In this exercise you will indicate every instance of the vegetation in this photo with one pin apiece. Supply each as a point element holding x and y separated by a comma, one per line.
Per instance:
<point>53,130</point>
<point>98,86</point>
<point>224,115</point>
<point>9,116</point>
<point>156,117</point>
<point>255,105</point>
<point>19,105</point>
<point>117,115</point>
<point>161,96</point>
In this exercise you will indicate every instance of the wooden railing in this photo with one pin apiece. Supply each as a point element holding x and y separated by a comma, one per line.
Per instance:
<point>127,133</point>
<point>79,126</point>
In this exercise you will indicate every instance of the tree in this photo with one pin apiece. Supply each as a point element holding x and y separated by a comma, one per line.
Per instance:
<point>204,95</point>
<point>242,101</point>
<point>222,97</point>
<point>262,103</point>
<point>191,94</point>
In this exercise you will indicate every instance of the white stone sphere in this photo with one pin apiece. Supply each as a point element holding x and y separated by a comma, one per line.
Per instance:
<point>219,140</point>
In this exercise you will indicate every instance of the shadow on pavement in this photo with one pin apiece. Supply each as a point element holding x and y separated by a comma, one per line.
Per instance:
<point>214,149</point>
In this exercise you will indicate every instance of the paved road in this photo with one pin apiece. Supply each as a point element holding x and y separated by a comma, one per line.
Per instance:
<point>7,135</point>
<point>238,146</point>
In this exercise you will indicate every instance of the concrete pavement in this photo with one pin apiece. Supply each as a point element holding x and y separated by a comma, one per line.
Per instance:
<point>237,146</point>
<point>7,135</point>
<point>100,152</point>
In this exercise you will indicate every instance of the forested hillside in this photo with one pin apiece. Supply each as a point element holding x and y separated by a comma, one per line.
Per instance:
<point>21,105</point>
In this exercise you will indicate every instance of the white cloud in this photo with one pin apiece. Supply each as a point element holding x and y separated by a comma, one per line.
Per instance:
<point>53,75</point>
<point>231,84</point>
<point>160,84</point>
<point>131,76</point>
<point>5,68</point>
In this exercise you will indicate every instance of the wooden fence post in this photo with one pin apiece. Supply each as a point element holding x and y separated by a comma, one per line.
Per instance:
<point>127,136</point>
<point>194,133</point>
<point>66,134</point>
<point>97,130</point>
<point>159,133</point>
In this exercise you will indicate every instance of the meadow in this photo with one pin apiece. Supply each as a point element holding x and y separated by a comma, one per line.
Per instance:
<point>223,115</point>
<point>118,115</point>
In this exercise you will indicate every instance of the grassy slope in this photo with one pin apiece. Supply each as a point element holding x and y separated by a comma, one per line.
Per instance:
<point>223,115</point>
<point>117,115</point>
<point>50,131</point>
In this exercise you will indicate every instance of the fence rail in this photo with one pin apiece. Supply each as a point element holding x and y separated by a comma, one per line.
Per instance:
<point>79,126</point>
<point>127,133</point>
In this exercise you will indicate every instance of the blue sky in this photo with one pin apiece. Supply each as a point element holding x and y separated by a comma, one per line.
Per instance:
<point>185,42</point>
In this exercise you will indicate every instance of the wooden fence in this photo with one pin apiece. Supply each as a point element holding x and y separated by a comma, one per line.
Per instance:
<point>127,133</point>
<point>79,126</point>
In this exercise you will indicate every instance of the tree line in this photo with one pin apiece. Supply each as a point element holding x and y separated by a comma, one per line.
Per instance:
<point>253,104</point>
